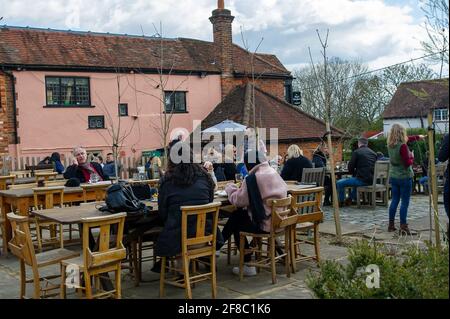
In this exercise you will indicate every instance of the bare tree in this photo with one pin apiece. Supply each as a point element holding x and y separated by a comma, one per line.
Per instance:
<point>436,25</point>
<point>161,126</point>
<point>323,84</point>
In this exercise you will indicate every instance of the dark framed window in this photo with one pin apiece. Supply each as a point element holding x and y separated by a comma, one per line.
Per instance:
<point>67,91</point>
<point>123,109</point>
<point>96,121</point>
<point>175,101</point>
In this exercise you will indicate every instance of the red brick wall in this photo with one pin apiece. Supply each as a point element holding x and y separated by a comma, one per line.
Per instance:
<point>6,114</point>
<point>271,86</point>
<point>223,37</point>
<point>309,147</point>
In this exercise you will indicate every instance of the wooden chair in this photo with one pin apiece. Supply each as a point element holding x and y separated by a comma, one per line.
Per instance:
<point>282,222</point>
<point>98,189</point>
<point>45,176</point>
<point>202,244</point>
<point>380,185</point>
<point>21,174</point>
<point>106,257</point>
<point>314,175</point>
<point>47,194</point>
<point>22,186</point>
<point>22,247</point>
<point>4,181</point>
<point>141,243</point>
<point>307,204</point>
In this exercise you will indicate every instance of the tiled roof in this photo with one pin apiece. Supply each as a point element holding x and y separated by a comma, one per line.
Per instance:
<point>415,99</point>
<point>271,112</point>
<point>70,49</point>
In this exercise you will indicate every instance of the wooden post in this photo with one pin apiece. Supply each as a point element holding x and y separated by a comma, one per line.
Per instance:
<point>337,219</point>
<point>432,180</point>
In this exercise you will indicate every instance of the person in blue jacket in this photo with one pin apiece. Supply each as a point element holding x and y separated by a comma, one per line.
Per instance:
<point>55,158</point>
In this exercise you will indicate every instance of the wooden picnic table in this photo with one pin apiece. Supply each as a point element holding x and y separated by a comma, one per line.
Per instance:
<point>28,180</point>
<point>74,214</point>
<point>22,199</point>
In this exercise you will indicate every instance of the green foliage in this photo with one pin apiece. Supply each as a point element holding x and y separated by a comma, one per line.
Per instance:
<point>418,147</point>
<point>415,273</point>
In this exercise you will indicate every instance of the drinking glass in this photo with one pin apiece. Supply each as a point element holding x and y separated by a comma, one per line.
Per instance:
<point>94,178</point>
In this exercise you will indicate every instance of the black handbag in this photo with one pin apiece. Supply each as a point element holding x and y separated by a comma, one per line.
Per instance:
<point>121,199</point>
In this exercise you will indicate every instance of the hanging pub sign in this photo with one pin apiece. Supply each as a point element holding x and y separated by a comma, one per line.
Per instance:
<point>297,98</point>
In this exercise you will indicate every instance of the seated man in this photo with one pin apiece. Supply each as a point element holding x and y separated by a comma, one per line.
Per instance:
<point>83,170</point>
<point>361,166</point>
<point>109,168</point>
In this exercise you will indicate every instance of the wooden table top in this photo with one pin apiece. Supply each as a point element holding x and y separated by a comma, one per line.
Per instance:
<point>26,192</point>
<point>74,214</point>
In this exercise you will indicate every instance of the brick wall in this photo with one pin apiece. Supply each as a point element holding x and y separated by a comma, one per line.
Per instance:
<point>271,86</point>
<point>6,114</point>
<point>222,33</point>
<point>309,147</point>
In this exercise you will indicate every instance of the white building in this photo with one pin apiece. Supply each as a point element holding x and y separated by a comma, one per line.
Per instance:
<point>414,100</point>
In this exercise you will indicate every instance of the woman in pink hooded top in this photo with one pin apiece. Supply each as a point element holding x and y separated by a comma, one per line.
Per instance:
<point>253,214</point>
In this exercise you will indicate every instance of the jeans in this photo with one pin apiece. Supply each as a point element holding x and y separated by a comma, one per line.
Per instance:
<point>401,189</point>
<point>446,199</point>
<point>348,182</point>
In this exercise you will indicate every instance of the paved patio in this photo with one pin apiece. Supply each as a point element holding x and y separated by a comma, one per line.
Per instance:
<point>356,224</point>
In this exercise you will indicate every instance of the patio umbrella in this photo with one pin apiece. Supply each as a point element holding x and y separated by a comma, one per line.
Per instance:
<point>224,126</point>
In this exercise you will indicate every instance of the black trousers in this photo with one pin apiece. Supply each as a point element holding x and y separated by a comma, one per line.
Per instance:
<point>237,222</point>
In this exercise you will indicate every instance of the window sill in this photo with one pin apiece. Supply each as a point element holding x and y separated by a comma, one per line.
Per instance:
<point>96,128</point>
<point>176,112</point>
<point>68,106</point>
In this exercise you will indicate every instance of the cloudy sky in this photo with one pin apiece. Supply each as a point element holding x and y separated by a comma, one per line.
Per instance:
<point>376,32</point>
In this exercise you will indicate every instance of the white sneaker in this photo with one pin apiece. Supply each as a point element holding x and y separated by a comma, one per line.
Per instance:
<point>217,253</point>
<point>248,271</point>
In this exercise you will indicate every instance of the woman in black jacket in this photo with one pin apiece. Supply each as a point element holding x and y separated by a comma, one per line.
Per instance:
<point>183,184</point>
<point>293,168</point>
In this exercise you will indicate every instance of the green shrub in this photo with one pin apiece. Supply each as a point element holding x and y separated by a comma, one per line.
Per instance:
<point>415,273</point>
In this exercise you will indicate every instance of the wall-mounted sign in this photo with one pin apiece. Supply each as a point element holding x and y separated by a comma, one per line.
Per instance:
<point>297,98</point>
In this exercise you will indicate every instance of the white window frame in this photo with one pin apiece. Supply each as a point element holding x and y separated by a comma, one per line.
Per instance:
<point>438,115</point>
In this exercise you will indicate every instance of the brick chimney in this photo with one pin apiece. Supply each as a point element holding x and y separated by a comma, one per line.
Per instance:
<point>221,20</point>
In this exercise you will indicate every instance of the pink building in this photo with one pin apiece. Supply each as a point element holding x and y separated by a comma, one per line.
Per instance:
<point>59,89</point>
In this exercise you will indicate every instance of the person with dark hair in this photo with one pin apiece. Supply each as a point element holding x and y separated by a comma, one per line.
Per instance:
<point>442,157</point>
<point>361,166</point>
<point>184,183</point>
<point>55,158</point>
<point>320,160</point>
<point>110,168</point>
<point>83,170</point>
<point>253,214</point>
<point>45,161</point>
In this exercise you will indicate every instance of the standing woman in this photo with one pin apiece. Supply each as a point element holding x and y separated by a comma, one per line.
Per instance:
<point>401,174</point>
